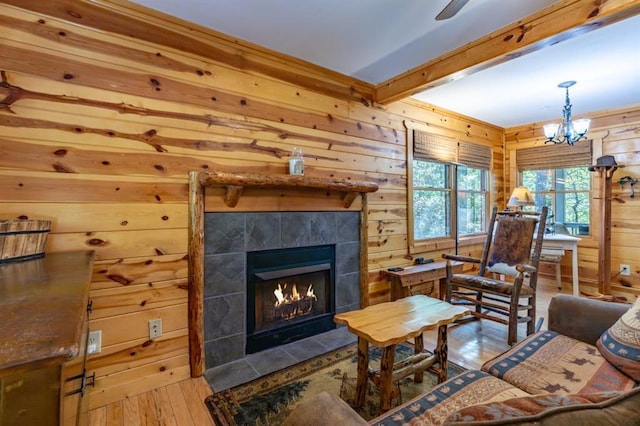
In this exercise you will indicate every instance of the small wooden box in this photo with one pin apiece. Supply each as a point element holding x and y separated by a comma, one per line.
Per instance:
<point>23,239</point>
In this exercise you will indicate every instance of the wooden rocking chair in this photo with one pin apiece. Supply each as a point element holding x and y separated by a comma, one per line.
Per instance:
<point>512,249</point>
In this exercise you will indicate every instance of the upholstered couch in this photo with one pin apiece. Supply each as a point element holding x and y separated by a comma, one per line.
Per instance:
<point>583,370</point>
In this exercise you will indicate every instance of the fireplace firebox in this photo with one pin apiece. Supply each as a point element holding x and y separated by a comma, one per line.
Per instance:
<point>290,295</point>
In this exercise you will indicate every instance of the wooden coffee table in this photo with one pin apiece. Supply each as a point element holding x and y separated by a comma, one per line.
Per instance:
<point>387,324</point>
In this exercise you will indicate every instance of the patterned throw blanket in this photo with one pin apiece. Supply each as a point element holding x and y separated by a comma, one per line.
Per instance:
<point>557,364</point>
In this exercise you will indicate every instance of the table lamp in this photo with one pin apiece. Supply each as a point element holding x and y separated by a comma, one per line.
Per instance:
<point>520,197</point>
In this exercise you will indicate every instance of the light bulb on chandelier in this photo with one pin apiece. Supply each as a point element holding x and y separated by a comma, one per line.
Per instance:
<point>568,131</point>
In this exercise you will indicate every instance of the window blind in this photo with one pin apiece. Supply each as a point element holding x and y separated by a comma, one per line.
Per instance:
<point>554,156</point>
<point>432,147</point>
<point>473,155</point>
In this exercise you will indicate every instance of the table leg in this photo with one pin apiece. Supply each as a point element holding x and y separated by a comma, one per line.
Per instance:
<point>386,376</point>
<point>363,372</point>
<point>441,353</point>
<point>574,269</point>
<point>442,288</point>
<point>418,347</point>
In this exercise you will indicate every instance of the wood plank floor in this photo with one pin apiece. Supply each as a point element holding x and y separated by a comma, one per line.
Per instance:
<point>473,343</point>
<point>181,404</point>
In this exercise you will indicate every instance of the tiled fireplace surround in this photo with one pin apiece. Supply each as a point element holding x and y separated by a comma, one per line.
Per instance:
<point>229,236</point>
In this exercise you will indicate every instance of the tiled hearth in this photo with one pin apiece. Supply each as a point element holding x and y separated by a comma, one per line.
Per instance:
<point>228,237</point>
<point>262,363</point>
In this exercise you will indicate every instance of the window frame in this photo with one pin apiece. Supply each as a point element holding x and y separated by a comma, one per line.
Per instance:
<point>447,190</point>
<point>484,190</point>
<point>562,156</point>
<point>554,192</point>
<point>452,239</point>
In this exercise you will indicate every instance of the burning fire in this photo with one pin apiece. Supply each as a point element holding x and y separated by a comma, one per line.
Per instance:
<point>282,298</point>
<point>292,304</point>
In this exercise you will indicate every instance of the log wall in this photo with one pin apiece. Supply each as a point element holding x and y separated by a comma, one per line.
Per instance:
<point>99,131</point>
<point>612,133</point>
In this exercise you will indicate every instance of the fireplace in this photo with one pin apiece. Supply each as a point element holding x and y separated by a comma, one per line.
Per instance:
<point>290,295</point>
<point>229,237</point>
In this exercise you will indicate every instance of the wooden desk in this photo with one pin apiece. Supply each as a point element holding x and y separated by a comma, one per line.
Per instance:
<point>387,324</point>
<point>566,242</point>
<point>401,281</point>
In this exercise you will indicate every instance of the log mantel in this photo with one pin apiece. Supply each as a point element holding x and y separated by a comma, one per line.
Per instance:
<point>235,182</point>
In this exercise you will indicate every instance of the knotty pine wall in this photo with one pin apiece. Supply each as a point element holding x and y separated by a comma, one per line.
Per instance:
<point>98,132</point>
<point>612,133</point>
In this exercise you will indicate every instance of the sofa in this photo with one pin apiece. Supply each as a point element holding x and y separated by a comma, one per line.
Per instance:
<point>583,370</point>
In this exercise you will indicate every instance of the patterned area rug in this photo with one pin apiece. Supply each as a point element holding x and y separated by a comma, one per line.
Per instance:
<point>270,399</point>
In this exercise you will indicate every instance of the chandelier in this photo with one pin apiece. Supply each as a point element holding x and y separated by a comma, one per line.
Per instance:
<point>568,131</point>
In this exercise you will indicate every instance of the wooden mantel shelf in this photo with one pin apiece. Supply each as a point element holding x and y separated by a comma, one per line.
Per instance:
<point>235,182</point>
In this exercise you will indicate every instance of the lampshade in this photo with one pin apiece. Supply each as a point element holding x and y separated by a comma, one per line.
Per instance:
<point>551,130</point>
<point>581,126</point>
<point>520,197</point>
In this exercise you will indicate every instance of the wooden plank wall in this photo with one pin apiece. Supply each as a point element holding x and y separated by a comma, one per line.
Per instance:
<point>98,132</point>
<point>612,133</point>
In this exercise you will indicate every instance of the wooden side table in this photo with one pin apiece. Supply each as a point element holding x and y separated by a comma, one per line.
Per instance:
<point>565,242</point>
<point>401,281</point>
<point>387,324</point>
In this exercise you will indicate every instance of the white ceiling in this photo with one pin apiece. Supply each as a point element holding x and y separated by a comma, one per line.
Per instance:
<point>374,40</point>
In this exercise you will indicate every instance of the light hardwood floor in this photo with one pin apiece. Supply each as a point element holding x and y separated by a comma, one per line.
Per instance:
<point>178,404</point>
<point>473,343</point>
<point>181,404</point>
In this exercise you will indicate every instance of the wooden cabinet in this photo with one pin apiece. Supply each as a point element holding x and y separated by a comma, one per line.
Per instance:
<point>75,380</point>
<point>44,317</point>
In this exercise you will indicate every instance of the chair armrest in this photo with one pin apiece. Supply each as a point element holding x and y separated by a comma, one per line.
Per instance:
<point>460,258</point>
<point>520,267</point>
<point>581,318</point>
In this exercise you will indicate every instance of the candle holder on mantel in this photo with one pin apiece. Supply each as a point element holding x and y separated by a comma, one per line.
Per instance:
<point>296,163</point>
<point>605,167</point>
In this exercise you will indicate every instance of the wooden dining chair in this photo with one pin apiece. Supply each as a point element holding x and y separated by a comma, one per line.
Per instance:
<point>511,253</point>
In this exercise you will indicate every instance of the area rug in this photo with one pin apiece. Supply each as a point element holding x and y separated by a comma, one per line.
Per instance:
<point>270,399</point>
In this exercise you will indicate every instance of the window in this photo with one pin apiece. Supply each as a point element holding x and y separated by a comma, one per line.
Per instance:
<point>558,178</point>
<point>431,200</point>
<point>437,173</point>
<point>565,192</point>
<point>472,200</point>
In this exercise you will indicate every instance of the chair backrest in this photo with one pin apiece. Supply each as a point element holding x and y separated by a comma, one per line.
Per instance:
<point>510,239</point>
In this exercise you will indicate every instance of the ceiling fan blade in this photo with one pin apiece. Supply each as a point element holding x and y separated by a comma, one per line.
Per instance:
<point>451,9</point>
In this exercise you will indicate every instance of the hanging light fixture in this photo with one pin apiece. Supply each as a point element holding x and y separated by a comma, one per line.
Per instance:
<point>568,131</point>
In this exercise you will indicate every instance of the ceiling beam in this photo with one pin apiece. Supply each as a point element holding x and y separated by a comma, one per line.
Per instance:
<point>558,22</point>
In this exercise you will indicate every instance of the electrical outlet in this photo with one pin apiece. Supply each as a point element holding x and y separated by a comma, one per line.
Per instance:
<point>155,328</point>
<point>95,342</point>
<point>625,270</point>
